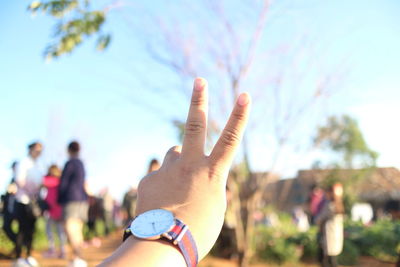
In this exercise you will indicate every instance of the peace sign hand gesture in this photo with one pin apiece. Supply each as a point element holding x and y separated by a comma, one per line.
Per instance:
<point>190,183</point>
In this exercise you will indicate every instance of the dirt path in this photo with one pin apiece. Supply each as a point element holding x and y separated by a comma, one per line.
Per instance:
<point>91,254</point>
<point>95,255</point>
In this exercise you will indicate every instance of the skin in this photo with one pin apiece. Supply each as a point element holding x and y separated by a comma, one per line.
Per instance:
<point>190,184</point>
<point>36,151</point>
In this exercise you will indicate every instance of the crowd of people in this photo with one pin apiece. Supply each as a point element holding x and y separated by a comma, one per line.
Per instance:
<point>62,198</point>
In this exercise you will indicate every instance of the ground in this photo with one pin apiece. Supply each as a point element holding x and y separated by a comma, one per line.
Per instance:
<point>95,255</point>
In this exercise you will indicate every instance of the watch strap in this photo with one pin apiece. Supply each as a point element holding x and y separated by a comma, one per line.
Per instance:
<point>181,236</point>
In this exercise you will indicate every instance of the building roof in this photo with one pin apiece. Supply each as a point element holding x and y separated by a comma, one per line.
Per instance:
<point>371,185</point>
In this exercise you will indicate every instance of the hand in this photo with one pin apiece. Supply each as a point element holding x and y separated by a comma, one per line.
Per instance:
<point>191,184</point>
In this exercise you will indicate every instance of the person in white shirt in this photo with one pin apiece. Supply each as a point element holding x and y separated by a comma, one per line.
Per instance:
<point>28,179</point>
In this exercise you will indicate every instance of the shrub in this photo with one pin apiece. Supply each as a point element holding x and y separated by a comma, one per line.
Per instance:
<point>274,243</point>
<point>379,240</point>
<point>308,241</point>
<point>349,255</point>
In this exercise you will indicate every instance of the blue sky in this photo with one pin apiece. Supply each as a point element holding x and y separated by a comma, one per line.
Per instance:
<point>105,101</point>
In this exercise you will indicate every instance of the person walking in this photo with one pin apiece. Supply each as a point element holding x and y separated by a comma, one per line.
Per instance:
<point>51,183</point>
<point>73,198</point>
<point>330,221</point>
<point>28,180</point>
<point>107,207</point>
<point>8,200</point>
<point>129,204</point>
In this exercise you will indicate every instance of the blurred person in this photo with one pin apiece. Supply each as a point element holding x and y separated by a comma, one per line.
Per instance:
<point>315,201</point>
<point>8,200</point>
<point>129,204</point>
<point>95,212</point>
<point>28,179</point>
<point>181,206</point>
<point>153,166</point>
<point>330,221</point>
<point>226,242</point>
<point>51,182</point>
<point>117,214</point>
<point>362,212</point>
<point>107,205</point>
<point>300,219</point>
<point>130,197</point>
<point>73,198</point>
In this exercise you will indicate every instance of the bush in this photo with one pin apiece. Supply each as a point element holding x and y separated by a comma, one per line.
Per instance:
<point>274,243</point>
<point>283,243</point>
<point>308,241</point>
<point>279,250</point>
<point>349,255</point>
<point>379,240</point>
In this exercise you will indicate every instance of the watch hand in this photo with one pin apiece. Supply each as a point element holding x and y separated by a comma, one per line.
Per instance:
<point>154,226</point>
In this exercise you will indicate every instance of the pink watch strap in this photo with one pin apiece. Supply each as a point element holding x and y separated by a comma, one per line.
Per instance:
<point>181,236</point>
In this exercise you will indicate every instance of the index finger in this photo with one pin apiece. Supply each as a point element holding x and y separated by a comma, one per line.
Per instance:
<point>227,144</point>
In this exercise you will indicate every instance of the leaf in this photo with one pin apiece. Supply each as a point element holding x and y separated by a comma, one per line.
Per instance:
<point>103,41</point>
<point>34,5</point>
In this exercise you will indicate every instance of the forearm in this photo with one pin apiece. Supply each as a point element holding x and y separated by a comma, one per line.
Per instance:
<point>136,252</point>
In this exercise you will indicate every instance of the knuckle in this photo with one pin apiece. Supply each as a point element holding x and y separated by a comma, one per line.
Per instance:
<point>174,149</point>
<point>239,116</point>
<point>214,172</point>
<point>186,171</point>
<point>197,101</point>
<point>194,127</point>
<point>230,137</point>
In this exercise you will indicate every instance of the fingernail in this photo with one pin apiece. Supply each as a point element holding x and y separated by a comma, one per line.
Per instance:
<point>243,99</point>
<point>199,84</point>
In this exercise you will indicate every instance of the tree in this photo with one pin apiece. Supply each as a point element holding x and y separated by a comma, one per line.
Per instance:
<point>230,47</point>
<point>76,21</point>
<point>343,136</point>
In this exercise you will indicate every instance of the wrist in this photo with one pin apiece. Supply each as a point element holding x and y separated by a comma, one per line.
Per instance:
<point>139,252</point>
<point>159,224</point>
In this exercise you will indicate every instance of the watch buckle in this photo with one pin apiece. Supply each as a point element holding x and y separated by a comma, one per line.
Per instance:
<point>180,236</point>
<point>167,236</point>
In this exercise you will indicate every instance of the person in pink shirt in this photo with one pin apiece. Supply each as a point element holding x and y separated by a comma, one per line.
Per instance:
<point>51,184</point>
<point>316,200</point>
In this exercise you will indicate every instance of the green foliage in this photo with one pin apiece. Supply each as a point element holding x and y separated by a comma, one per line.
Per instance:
<point>283,243</point>
<point>308,241</point>
<point>349,255</point>
<point>274,243</point>
<point>58,8</point>
<point>343,135</point>
<point>380,240</point>
<point>75,22</point>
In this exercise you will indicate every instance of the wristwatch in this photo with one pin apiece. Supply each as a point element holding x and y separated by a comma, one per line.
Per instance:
<point>161,224</point>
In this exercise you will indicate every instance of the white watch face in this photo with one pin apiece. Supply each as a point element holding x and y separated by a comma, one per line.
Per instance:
<point>152,223</point>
